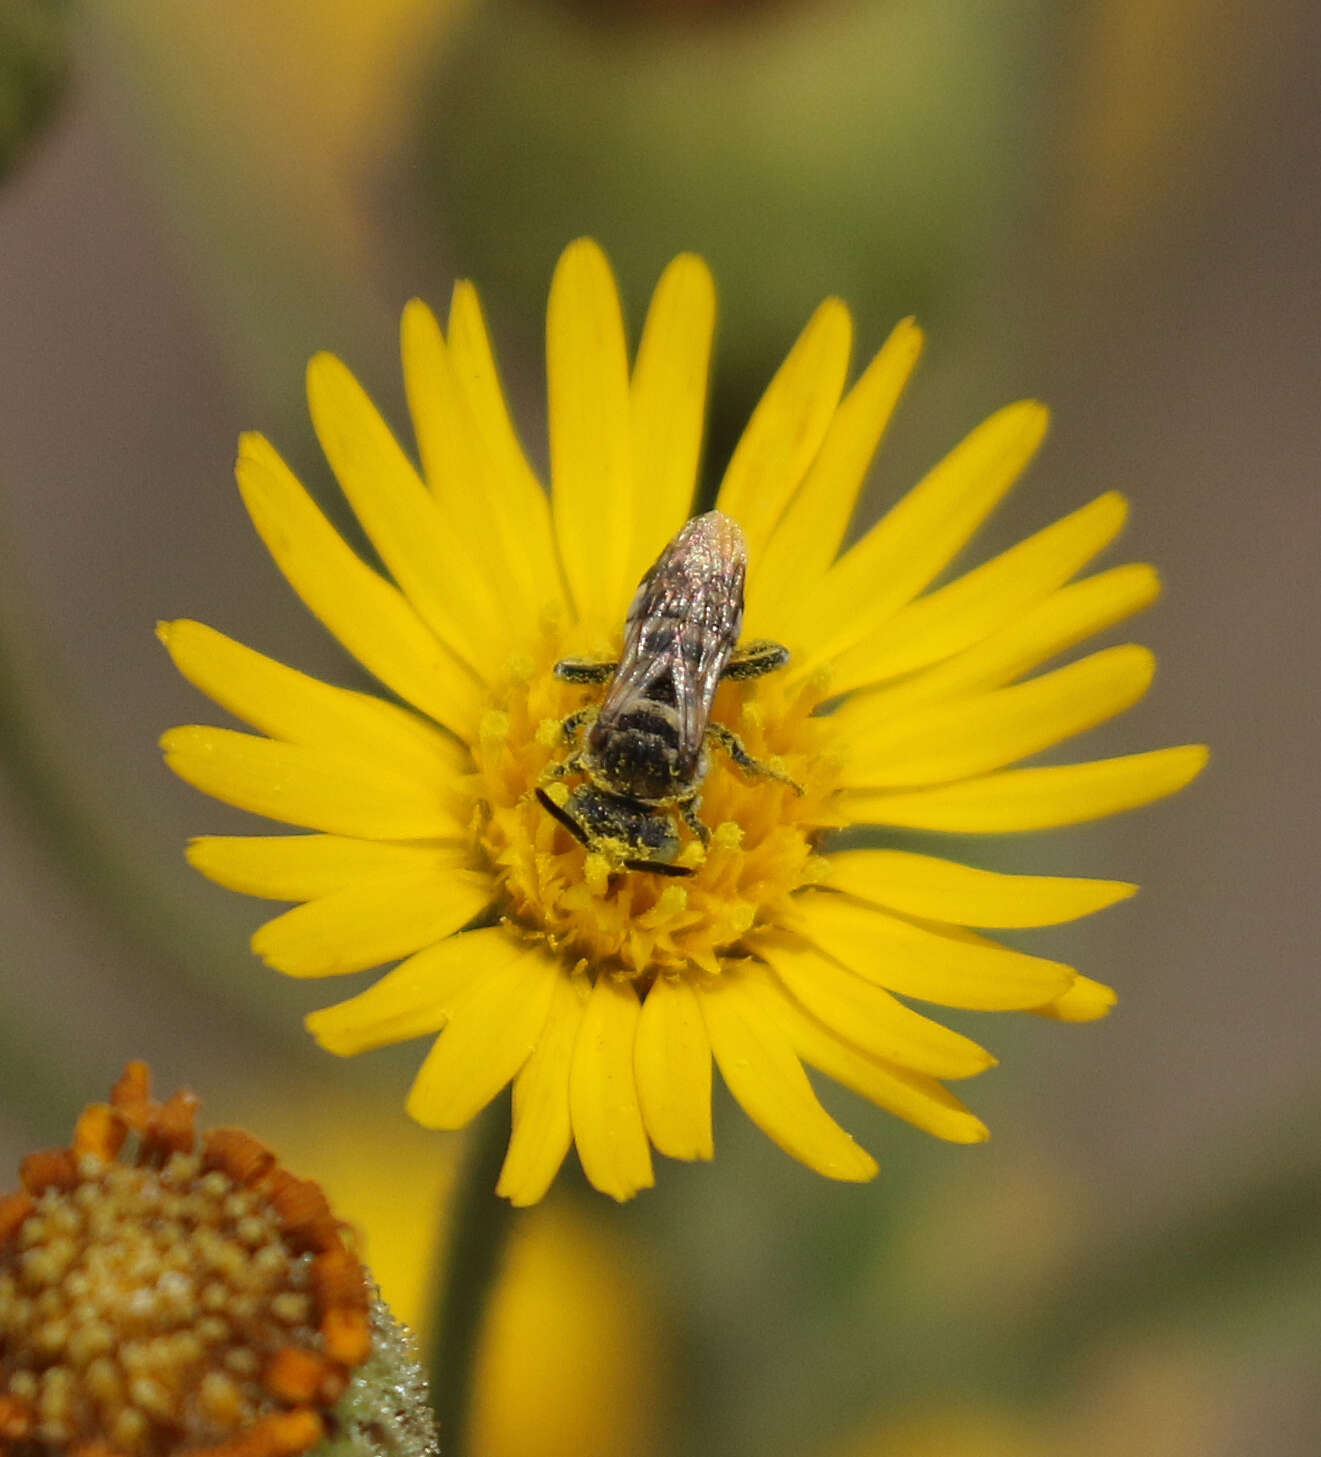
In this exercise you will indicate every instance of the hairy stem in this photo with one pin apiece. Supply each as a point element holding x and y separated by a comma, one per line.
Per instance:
<point>480,1223</point>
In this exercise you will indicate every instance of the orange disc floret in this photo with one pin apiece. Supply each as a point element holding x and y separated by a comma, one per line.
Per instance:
<point>165,1296</point>
<point>173,1129</point>
<point>15,1419</point>
<point>280,1435</point>
<point>304,1212</point>
<point>132,1094</point>
<point>14,1209</point>
<point>100,1132</point>
<point>234,1152</point>
<point>337,1280</point>
<point>346,1335</point>
<point>297,1376</point>
<point>50,1168</point>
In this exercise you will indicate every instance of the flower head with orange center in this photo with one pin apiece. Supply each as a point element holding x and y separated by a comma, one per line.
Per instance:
<point>605,993</point>
<point>162,1292</point>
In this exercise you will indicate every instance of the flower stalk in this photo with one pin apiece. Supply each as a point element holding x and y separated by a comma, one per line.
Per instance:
<point>479,1226</point>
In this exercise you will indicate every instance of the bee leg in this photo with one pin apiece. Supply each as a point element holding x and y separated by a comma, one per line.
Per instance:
<point>564,817</point>
<point>561,769</point>
<point>584,670</point>
<point>569,727</point>
<point>730,742</point>
<point>576,721</point>
<point>657,867</point>
<point>755,658</point>
<point>688,809</point>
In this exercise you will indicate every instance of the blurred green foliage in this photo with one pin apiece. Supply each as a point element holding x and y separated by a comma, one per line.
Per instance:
<point>34,65</point>
<point>802,149</point>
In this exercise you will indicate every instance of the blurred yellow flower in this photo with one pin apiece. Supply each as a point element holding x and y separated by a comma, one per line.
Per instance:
<point>384,1176</point>
<point>569,1288</point>
<point>575,1357</point>
<point>604,992</point>
<point>344,97</point>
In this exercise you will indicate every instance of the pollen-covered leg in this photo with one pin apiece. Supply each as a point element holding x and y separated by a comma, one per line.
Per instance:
<point>754,659</point>
<point>584,670</point>
<point>562,812</point>
<point>571,726</point>
<point>688,809</point>
<point>561,769</point>
<point>658,867</point>
<point>730,742</point>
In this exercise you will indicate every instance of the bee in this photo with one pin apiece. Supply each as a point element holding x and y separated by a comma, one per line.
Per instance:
<point>645,753</point>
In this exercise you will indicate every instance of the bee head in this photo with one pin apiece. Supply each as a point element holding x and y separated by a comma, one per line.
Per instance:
<point>638,838</point>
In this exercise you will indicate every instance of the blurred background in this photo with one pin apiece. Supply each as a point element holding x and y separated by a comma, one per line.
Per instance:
<point>1114,205</point>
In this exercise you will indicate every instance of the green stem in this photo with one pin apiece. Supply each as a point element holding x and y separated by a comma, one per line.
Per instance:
<point>479,1227</point>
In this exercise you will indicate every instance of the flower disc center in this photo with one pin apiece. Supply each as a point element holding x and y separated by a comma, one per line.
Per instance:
<point>763,833</point>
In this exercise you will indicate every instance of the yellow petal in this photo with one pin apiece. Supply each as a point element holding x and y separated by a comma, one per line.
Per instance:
<point>603,1094</point>
<point>495,513</point>
<point>445,441</point>
<point>918,1100</point>
<point>367,614</point>
<point>372,921</point>
<point>912,1096</point>
<point>518,510</point>
<point>788,425</point>
<point>811,530</point>
<point>1034,799</point>
<point>1063,619</point>
<point>943,890</point>
<point>398,513</point>
<point>672,1060</point>
<point>762,1071</point>
<point>669,405</point>
<point>870,1018</point>
<point>587,380</point>
<point>919,537</point>
<point>317,788</point>
<point>975,605</point>
<point>463,483</point>
<point>943,965</point>
<point>1085,1001</point>
<point>542,1129</point>
<point>494,1023</point>
<point>415,998</point>
<point>287,704</point>
<point>302,867</point>
<point>966,737</point>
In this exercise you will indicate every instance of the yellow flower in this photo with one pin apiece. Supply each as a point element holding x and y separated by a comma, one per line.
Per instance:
<point>604,994</point>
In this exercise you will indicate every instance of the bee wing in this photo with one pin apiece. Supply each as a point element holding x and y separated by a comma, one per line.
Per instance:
<point>638,669</point>
<point>705,643</point>
<point>682,627</point>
